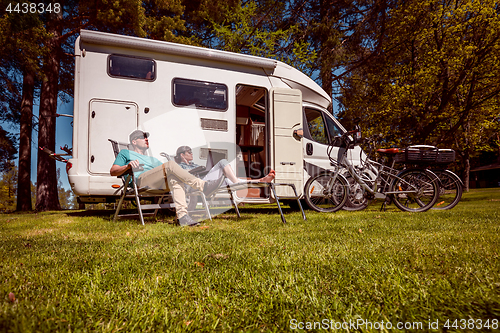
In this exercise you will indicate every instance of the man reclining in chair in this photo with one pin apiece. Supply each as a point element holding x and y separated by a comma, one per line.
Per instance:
<point>157,175</point>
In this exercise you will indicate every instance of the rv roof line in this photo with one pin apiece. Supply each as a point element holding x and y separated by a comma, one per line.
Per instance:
<point>96,37</point>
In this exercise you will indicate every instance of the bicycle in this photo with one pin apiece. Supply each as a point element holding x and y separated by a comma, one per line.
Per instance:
<point>412,190</point>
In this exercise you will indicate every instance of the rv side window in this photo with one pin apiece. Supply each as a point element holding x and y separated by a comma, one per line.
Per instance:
<point>130,67</point>
<point>204,95</point>
<point>316,126</point>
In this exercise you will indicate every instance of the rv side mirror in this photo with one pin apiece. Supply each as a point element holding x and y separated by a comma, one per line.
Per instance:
<point>298,134</point>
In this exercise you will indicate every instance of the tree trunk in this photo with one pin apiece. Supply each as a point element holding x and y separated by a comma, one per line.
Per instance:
<point>467,156</point>
<point>325,64</point>
<point>466,172</point>
<point>26,127</point>
<point>498,140</point>
<point>46,190</point>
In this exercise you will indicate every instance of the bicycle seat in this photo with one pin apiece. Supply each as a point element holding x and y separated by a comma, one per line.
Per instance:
<point>389,150</point>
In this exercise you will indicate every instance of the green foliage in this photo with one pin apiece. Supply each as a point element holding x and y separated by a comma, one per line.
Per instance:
<point>21,46</point>
<point>164,20</point>
<point>8,150</point>
<point>155,19</point>
<point>257,29</point>
<point>82,272</point>
<point>431,76</point>
<point>21,38</point>
<point>201,15</point>
<point>67,199</point>
<point>8,190</point>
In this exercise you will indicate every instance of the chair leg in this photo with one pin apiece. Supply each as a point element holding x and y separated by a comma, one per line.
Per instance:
<point>120,203</point>
<point>271,185</point>
<point>124,193</point>
<point>205,204</point>
<point>302,210</point>
<point>160,200</point>
<point>138,201</point>
<point>298,201</point>
<point>233,202</point>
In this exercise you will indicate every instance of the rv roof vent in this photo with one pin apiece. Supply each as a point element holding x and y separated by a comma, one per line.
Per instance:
<point>214,124</point>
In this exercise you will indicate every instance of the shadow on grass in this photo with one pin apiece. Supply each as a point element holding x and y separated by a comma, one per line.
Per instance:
<point>107,215</point>
<point>92,213</point>
<point>266,210</point>
<point>248,212</point>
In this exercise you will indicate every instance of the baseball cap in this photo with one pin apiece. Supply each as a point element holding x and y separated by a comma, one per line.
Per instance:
<point>137,134</point>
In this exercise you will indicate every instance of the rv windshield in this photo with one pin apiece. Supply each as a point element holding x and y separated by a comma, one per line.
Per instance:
<point>199,94</point>
<point>130,67</point>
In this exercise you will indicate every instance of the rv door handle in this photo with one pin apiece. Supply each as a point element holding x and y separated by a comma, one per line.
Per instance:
<point>287,163</point>
<point>309,148</point>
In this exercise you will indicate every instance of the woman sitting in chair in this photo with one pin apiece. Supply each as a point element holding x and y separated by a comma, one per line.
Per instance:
<point>184,157</point>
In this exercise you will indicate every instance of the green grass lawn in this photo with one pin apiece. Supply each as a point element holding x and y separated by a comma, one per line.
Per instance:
<point>355,271</point>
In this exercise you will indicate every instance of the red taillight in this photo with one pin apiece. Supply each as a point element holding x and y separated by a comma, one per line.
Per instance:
<point>68,166</point>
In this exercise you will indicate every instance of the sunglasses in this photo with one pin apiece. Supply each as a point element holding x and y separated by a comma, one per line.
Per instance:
<point>188,152</point>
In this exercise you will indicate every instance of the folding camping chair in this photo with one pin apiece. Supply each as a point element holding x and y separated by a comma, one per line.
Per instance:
<point>130,191</point>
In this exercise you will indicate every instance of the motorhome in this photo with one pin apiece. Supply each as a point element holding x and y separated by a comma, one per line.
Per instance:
<point>247,109</point>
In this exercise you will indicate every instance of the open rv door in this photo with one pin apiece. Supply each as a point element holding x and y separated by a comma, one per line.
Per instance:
<point>286,149</point>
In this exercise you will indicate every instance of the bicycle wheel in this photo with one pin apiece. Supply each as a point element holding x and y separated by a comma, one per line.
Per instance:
<point>356,199</point>
<point>450,189</point>
<point>323,194</point>
<point>415,190</point>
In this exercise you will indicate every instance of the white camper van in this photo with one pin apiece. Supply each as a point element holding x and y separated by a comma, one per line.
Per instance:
<point>242,107</point>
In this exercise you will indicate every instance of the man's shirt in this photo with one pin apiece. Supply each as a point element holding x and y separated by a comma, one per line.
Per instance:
<point>125,156</point>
